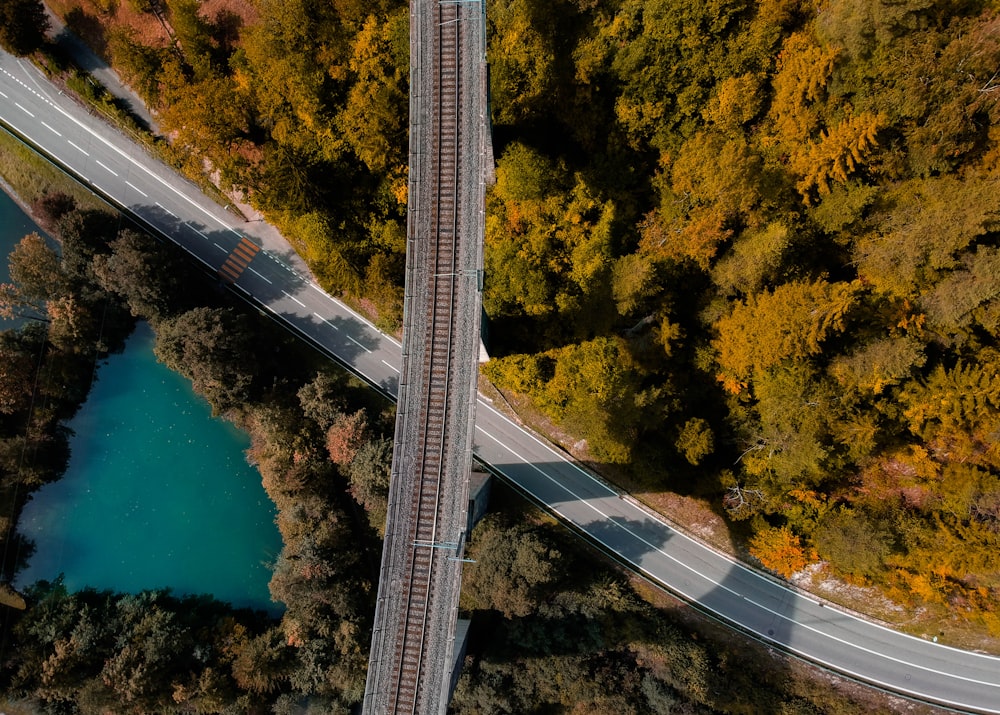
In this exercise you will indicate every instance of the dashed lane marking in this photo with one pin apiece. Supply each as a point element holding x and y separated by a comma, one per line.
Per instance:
<point>137,189</point>
<point>52,129</point>
<point>266,280</point>
<point>166,209</point>
<point>327,322</point>
<point>106,167</point>
<point>18,105</point>
<point>391,367</point>
<point>294,298</point>
<point>215,244</point>
<point>78,148</point>
<point>358,344</point>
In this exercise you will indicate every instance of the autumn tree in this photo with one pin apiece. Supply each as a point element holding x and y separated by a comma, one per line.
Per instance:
<point>373,120</point>
<point>36,272</point>
<point>788,323</point>
<point>695,441</point>
<point>346,435</point>
<point>780,550</point>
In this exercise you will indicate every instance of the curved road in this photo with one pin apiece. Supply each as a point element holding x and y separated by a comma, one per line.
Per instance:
<point>276,280</point>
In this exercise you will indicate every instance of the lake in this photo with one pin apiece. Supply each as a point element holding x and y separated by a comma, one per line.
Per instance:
<point>158,493</point>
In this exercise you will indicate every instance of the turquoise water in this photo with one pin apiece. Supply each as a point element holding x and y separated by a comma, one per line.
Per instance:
<point>158,494</point>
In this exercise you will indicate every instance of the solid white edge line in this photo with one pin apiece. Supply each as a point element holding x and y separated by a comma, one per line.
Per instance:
<point>357,315</point>
<point>637,537</point>
<point>114,148</point>
<point>755,574</point>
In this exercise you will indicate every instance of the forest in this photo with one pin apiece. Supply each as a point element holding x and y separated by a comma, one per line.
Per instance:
<point>745,251</point>
<point>320,442</point>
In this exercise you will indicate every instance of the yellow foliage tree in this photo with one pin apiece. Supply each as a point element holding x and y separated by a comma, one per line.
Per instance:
<point>804,69</point>
<point>786,324</point>
<point>780,550</point>
<point>837,154</point>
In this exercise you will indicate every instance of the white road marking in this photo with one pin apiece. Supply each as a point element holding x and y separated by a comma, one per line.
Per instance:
<point>235,231</point>
<point>137,189</point>
<point>18,105</point>
<point>105,167</point>
<point>78,148</point>
<point>4,95</point>
<point>266,280</point>
<point>358,344</point>
<point>198,206</point>
<point>51,129</point>
<point>391,367</point>
<point>215,244</point>
<point>356,316</point>
<point>327,322</point>
<point>196,231</point>
<point>653,547</point>
<point>294,298</point>
<point>166,209</point>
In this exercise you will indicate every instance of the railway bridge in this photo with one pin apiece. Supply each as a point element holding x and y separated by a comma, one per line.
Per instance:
<point>413,641</point>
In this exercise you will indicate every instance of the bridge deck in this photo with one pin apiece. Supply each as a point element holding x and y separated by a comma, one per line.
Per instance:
<point>412,643</point>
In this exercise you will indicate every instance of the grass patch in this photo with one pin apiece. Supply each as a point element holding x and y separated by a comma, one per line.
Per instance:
<point>31,176</point>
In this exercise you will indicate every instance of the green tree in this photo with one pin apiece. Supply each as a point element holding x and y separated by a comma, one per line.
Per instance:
<point>513,566</point>
<point>17,372</point>
<point>855,542</point>
<point>369,473</point>
<point>145,273</point>
<point>548,239</point>
<point>214,349</point>
<point>879,364</point>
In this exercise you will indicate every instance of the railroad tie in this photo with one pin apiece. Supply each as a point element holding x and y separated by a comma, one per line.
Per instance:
<point>238,259</point>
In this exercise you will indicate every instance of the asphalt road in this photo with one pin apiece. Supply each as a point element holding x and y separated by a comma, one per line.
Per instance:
<point>277,281</point>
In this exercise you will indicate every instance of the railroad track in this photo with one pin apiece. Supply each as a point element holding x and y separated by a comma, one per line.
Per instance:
<point>434,442</point>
